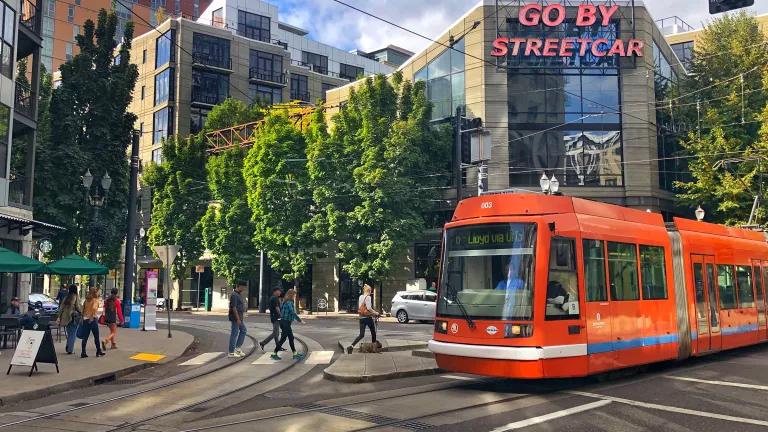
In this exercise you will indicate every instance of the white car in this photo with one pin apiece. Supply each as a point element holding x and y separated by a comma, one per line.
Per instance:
<point>414,305</point>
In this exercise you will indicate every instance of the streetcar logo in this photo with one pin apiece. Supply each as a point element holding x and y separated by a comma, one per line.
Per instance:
<point>454,328</point>
<point>491,330</point>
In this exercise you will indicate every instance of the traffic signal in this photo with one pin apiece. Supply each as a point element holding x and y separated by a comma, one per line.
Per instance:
<point>720,6</point>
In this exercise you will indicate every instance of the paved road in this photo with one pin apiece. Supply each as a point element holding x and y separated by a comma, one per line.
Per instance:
<point>725,392</point>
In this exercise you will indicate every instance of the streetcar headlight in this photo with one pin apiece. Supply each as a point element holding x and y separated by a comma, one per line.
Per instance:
<point>441,327</point>
<point>518,330</point>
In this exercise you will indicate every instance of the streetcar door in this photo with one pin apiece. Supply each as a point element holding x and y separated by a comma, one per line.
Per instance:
<point>716,342</point>
<point>759,298</point>
<point>597,307</point>
<point>702,306</point>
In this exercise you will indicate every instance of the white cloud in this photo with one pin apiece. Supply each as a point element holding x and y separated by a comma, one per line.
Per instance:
<point>341,26</point>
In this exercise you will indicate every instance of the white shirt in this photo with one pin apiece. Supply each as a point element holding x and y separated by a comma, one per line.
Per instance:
<point>364,298</point>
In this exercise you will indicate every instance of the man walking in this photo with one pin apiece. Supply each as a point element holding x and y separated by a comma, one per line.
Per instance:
<point>236,315</point>
<point>274,317</point>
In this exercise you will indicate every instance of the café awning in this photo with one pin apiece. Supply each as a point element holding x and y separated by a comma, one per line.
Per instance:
<point>12,262</point>
<point>76,265</point>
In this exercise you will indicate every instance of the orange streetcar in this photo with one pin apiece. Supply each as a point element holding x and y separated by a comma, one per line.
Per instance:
<point>540,286</point>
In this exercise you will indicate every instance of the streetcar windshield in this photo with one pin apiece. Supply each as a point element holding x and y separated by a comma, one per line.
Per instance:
<point>488,272</point>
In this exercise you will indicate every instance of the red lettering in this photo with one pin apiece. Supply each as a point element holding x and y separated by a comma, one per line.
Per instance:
<point>533,46</point>
<point>531,19</point>
<point>596,51</point>
<point>566,46</point>
<point>635,47</point>
<point>500,47</point>
<point>607,13</point>
<point>550,47</point>
<point>516,45</point>
<point>617,48</point>
<point>559,18</point>
<point>586,16</point>
<point>583,46</point>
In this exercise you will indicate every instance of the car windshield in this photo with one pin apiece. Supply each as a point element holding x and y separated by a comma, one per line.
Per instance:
<point>488,271</point>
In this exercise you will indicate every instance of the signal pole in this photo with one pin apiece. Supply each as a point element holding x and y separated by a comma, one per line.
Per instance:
<point>130,235</point>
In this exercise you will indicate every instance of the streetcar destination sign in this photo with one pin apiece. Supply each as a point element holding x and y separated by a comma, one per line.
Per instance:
<point>554,15</point>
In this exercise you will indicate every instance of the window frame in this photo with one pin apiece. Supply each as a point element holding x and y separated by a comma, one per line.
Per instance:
<point>170,36</point>
<point>604,267</point>
<point>308,58</point>
<point>732,273</point>
<point>611,275</point>
<point>157,137</point>
<point>663,270</point>
<point>343,72</point>
<point>739,302</point>
<point>170,93</point>
<point>575,265</point>
<point>254,32</point>
<point>301,80</point>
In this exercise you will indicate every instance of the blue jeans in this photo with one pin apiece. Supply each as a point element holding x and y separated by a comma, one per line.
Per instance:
<point>236,336</point>
<point>71,335</point>
<point>92,326</point>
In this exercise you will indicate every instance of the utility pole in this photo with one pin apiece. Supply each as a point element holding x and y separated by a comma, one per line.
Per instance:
<point>130,252</point>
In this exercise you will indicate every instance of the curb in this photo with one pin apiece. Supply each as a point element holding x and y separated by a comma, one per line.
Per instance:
<point>423,353</point>
<point>359,379</point>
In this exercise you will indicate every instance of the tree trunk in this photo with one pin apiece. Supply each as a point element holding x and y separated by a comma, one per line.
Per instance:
<point>296,287</point>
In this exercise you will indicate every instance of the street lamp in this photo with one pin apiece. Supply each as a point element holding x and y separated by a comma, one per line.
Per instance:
<point>699,213</point>
<point>549,186</point>
<point>97,198</point>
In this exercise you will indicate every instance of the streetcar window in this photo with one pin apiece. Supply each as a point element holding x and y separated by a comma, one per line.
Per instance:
<point>725,285</point>
<point>622,267</point>
<point>653,273</point>
<point>562,285</point>
<point>701,299</point>
<point>594,270</point>
<point>744,283</point>
<point>758,285</point>
<point>714,318</point>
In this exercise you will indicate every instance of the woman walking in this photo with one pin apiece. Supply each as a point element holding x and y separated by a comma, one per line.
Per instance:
<point>366,312</point>
<point>90,323</point>
<point>113,314</point>
<point>287,317</point>
<point>69,316</point>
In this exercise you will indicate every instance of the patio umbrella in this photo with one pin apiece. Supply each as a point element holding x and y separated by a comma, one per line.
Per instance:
<point>12,262</point>
<point>76,265</point>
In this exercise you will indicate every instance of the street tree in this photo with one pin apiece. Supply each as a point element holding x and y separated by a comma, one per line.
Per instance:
<point>724,143</point>
<point>93,129</point>
<point>179,201</point>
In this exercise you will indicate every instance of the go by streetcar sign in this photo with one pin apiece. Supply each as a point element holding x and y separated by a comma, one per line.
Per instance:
<point>553,15</point>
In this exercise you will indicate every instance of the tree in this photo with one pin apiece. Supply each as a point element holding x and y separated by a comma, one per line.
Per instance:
<point>179,201</point>
<point>93,128</point>
<point>277,183</point>
<point>725,165</point>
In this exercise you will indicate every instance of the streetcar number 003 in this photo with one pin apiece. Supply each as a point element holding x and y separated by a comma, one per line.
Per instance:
<point>486,205</point>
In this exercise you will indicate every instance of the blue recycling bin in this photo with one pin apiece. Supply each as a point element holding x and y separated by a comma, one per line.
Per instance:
<point>135,319</point>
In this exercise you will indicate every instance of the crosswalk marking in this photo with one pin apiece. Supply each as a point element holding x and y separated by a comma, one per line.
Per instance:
<point>319,357</point>
<point>202,359</point>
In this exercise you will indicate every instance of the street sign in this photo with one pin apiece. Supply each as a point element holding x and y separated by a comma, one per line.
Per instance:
<point>167,254</point>
<point>150,305</point>
<point>34,347</point>
<point>322,304</point>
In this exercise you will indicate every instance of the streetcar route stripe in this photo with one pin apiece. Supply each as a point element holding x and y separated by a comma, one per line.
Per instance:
<point>551,416</point>
<point>671,409</point>
<point>202,359</point>
<point>722,383</point>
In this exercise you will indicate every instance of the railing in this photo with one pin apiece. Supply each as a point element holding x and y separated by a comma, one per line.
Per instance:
<point>252,35</point>
<point>205,98</point>
<point>267,75</point>
<point>302,96</point>
<point>674,24</point>
<point>314,68</point>
<point>24,100</point>
<point>17,190</point>
<point>211,60</point>
<point>29,16</point>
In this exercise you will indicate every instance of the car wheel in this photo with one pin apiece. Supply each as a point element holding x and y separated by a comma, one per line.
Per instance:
<point>402,316</point>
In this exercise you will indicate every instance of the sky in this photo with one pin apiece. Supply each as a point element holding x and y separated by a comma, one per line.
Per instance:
<point>338,25</point>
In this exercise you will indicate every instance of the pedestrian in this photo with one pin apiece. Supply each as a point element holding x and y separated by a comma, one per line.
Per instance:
<point>274,317</point>
<point>14,308</point>
<point>287,317</point>
<point>366,315</point>
<point>236,315</point>
<point>69,316</point>
<point>90,322</point>
<point>113,313</point>
<point>63,293</point>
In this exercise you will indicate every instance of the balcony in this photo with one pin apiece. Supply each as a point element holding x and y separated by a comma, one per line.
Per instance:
<point>267,76</point>
<point>218,62</point>
<point>207,99</point>
<point>24,101</point>
<point>17,191</point>
<point>30,28</point>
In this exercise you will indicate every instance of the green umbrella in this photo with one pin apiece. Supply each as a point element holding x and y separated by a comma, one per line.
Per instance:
<point>12,262</point>
<point>76,265</point>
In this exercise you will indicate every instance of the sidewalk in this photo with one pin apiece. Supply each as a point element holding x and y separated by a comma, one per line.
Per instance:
<point>76,372</point>
<point>303,315</point>
<point>360,368</point>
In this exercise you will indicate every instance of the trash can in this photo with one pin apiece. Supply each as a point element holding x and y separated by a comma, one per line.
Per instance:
<point>135,320</point>
<point>208,299</point>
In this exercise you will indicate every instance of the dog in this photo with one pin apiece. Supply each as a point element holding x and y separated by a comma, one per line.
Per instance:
<point>370,347</point>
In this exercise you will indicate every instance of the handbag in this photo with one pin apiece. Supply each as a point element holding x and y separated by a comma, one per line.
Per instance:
<point>82,330</point>
<point>103,320</point>
<point>363,309</point>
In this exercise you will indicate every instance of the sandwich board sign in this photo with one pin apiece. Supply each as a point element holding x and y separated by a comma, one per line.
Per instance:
<point>34,347</point>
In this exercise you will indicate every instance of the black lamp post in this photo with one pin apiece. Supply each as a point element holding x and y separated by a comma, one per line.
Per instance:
<point>97,198</point>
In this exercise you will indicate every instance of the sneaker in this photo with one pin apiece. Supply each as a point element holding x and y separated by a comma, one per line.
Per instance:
<point>298,356</point>
<point>349,349</point>
<point>233,355</point>
<point>239,352</point>
<point>275,357</point>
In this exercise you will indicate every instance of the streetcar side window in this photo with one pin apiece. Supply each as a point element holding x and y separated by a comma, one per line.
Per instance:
<point>563,284</point>
<point>653,273</point>
<point>744,283</point>
<point>622,267</point>
<point>594,270</point>
<point>726,286</point>
<point>758,285</point>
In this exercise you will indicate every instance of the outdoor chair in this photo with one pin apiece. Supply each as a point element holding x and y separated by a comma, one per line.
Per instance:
<point>9,329</point>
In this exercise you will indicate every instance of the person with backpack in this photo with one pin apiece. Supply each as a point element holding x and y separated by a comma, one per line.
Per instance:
<point>274,318</point>
<point>287,317</point>
<point>90,322</point>
<point>366,315</point>
<point>69,316</point>
<point>113,314</point>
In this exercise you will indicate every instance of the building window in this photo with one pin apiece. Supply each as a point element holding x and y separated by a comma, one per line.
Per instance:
<point>266,95</point>
<point>164,86</point>
<point>197,118</point>
<point>211,51</point>
<point>299,87</point>
<point>68,51</point>
<point>426,261</point>
<point>49,8</point>
<point>253,26</point>
<point>157,156</point>
<point>70,13</point>
<point>672,168</point>
<point>217,18</point>
<point>7,59</point>
<point>163,125</point>
<point>318,63</point>
<point>75,32</point>
<point>141,129</point>
<point>266,67</point>
<point>144,57</point>
<point>325,88</point>
<point>350,72</point>
<point>143,88</point>
<point>684,52</point>
<point>164,51</point>
<point>5,121</point>
<point>444,77</point>
<point>210,88</point>
<point>196,9</point>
